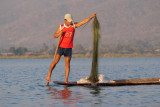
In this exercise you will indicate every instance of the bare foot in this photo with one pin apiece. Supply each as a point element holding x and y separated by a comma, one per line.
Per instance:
<point>47,83</point>
<point>48,79</point>
<point>66,82</point>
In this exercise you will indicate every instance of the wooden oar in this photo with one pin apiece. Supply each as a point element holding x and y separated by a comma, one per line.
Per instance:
<point>55,53</point>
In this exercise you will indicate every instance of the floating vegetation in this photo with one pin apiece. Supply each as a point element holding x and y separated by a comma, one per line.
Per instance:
<point>96,35</point>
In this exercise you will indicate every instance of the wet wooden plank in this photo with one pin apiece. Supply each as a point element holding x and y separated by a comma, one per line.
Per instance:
<point>122,82</point>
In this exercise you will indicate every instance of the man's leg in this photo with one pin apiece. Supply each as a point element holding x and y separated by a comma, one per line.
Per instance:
<point>52,66</point>
<point>67,68</point>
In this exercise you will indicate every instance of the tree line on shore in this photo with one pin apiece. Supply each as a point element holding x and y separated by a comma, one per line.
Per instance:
<point>79,49</point>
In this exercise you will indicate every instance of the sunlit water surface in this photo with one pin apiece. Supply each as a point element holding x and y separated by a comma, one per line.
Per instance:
<point>22,83</point>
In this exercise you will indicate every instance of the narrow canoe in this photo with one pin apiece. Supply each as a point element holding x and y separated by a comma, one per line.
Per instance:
<point>121,82</point>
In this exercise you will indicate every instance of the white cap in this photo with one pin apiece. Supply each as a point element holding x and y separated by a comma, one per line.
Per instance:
<point>68,17</point>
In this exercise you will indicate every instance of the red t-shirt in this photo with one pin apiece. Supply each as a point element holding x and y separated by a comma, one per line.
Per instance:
<point>67,36</point>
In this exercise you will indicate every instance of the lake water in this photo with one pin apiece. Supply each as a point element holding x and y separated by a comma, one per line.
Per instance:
<point>22,83</point>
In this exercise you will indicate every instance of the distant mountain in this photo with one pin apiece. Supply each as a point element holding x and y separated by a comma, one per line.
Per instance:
<point>31,23</point>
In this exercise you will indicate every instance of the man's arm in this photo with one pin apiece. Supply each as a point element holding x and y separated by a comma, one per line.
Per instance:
<point>85,21</point>
<point>57,33</point>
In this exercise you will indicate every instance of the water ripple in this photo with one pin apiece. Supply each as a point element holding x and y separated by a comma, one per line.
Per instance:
<point>22,83</point>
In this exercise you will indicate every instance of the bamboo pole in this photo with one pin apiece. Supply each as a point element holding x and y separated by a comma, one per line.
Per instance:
<point>55,53</point>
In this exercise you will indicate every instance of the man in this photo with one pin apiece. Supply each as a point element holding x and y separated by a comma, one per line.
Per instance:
<point>66,31</point>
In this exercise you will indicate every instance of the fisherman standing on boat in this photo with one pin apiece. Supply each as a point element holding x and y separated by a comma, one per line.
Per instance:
<point>66,32</point>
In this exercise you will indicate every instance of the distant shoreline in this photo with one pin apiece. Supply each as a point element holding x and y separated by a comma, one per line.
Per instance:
<point>82,56</point>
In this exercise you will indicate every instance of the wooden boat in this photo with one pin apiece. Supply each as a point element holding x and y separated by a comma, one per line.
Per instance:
<point>121,82</point>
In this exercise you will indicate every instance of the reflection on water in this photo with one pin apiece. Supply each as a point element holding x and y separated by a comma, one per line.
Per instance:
<point>96,93</point>
<point>95,90</point>
<point>68,97</point>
